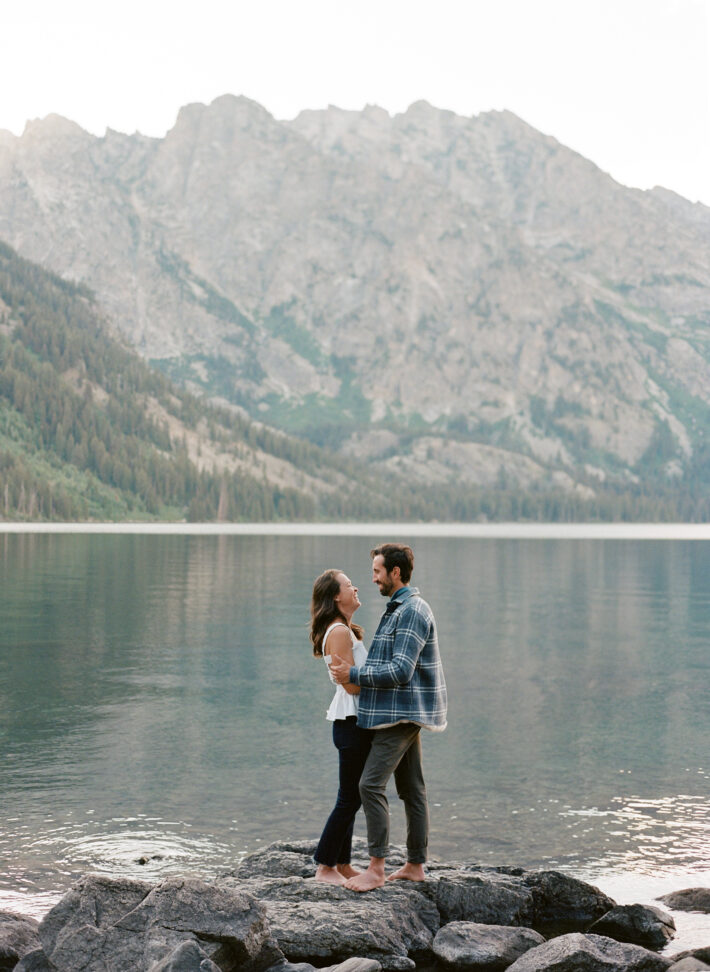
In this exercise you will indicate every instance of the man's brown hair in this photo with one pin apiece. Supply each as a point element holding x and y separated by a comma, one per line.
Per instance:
<point>396,555</point>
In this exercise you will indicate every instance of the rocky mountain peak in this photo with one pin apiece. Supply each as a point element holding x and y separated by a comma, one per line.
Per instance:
<point>53,127</point>
<point>467,290</point>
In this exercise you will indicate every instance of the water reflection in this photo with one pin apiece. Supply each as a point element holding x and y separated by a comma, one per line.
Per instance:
<point>158,699</point>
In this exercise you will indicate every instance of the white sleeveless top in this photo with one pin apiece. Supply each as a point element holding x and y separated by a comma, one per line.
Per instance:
<point>343,704</point>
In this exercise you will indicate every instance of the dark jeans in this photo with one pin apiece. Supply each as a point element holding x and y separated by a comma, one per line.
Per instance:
<point>353,745</point>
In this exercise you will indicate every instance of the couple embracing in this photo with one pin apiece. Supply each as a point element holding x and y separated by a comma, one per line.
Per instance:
<point>383,699</point>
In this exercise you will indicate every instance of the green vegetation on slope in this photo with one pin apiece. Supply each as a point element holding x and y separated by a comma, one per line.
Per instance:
<point>84,435</point>
<point>76,437</point>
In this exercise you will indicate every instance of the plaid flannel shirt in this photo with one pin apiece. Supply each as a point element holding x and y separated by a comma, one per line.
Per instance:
<point>403,679</point>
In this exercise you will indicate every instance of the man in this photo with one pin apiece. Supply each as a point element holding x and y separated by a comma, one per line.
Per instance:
<point>402,690</point>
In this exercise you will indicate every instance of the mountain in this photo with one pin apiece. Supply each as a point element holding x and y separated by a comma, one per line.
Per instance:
<point>455,302</point>
<point>88,430</point>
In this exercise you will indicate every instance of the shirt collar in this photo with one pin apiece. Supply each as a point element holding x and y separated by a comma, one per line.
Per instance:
<point>399,596</point>
<point>401,593</point>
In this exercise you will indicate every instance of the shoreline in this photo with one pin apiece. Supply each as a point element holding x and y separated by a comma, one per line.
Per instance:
<point>271,899</point>
<point>474,531</point>
<point>625,887</point>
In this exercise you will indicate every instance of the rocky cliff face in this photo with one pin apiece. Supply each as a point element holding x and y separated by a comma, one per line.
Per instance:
<point>459,299</point>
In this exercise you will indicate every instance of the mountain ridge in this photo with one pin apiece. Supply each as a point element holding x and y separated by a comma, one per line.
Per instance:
<point>542,323</point>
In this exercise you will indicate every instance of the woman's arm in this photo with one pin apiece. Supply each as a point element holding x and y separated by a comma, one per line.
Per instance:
<point>340,649</point>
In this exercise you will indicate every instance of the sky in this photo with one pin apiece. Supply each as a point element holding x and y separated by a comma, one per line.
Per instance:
<point>624,82</point>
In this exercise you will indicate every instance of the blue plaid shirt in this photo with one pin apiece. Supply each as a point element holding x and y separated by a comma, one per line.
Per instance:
<point>402,679</point>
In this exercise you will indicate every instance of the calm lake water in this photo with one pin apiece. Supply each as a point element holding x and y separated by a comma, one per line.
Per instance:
<point>158,697</point>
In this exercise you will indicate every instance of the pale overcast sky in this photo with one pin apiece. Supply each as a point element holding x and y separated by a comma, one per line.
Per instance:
<point>624,82</point>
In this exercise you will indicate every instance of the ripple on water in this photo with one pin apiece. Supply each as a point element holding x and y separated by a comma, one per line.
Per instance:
<point>143,848</point>
<point>649,836</point>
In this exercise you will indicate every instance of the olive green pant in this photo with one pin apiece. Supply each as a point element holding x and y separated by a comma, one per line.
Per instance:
<point>396,750</point>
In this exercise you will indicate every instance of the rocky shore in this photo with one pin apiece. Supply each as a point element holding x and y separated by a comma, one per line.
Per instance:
<point>270,915</point>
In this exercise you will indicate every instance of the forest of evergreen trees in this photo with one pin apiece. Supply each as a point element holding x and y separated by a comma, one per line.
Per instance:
<point>77,442</point>
<point>50,427</point>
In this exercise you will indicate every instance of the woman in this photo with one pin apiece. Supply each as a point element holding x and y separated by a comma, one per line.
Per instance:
<point>334,635</point>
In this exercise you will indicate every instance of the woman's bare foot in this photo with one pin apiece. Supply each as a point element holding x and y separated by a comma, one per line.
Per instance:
<point>373,877</point>
<point>408,872</point>
<point>329,875</point>
<point>347,870</point>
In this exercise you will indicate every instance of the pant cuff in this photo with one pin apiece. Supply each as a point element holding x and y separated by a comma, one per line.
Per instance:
<point>378,851</point>
<point>417,857</point>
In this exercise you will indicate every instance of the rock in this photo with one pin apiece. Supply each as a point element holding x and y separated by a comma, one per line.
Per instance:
<point>699,954</point>
<point>187,957</point>
<point>34,961</point>
<point>314,922</point>
<point>18,936</point>
<point>486,896</point>
<point>589,953</point>
<point>318,923</point>
<point>354,964</point>
<point>291,967</point>
<point>637,924</point>
<point>128,926</point>
<point>691,899</point>
<point>266,916</point>
<point>295,859</point>
<point>279,859</point>
<point>547,900</point>
<point>321,923</point>
<point>563,903</point>
<point>93,902</point>
<point>467,945</point>
<point>688,964</point>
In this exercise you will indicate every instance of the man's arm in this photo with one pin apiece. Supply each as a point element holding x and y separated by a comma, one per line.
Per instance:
<point>340,648</point>
<point>410,638</point>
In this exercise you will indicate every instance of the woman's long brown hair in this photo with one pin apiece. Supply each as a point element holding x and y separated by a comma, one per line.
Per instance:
<point>324,610</point>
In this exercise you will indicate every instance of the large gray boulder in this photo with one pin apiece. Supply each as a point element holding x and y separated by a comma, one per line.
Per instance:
<point>18,936</point>
<point>588,953</point>
<point>690,899</point>
<point>563,903</point>
<point>547,900</point>
<point>688,964</point>
<point>489,948</point>
<point>73,930</point>
<point>638,924</point>
<point>34,961</point>
<point>104,925</point>
<point>485,896</point>
<point>324,924</point>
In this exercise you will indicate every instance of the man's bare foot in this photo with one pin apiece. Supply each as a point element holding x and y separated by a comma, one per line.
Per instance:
<point>347,870</point>
<point>329,875</point>
<point>367,881</point>
<point>408,872</point>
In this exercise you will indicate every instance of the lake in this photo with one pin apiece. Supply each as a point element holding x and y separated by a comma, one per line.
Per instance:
<point>158,699</point>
